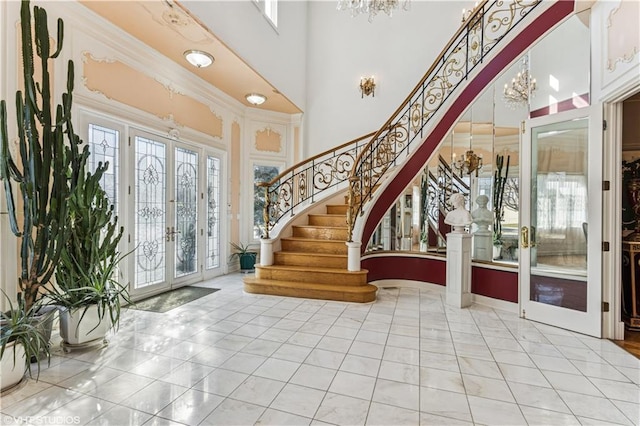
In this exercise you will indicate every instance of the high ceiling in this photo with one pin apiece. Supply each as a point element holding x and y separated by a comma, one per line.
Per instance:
<point>168,28</point>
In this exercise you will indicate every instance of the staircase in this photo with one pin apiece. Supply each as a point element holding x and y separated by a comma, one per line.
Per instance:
<point>313,263</point>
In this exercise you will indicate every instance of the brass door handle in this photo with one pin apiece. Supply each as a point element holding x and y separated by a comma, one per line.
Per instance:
<point>524,237</point>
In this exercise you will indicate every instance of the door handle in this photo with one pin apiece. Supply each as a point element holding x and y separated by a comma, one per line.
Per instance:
<point>170,234</point>
<point>524,237</point>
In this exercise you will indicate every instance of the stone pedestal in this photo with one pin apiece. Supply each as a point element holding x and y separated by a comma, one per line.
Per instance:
<point>353,255</point>
<point>266,252</point>
<point>458,269</point>
<point>483,245</point>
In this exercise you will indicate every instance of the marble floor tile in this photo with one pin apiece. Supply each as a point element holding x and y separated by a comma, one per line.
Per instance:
<point>191,407</point>
<point>234,358</point>
<point>385,415</point>
<point>342,410</point>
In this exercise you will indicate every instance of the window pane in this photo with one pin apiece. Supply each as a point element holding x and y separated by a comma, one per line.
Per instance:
<point>260,174</point>
<point>103,145</point>
<point>271,10</point>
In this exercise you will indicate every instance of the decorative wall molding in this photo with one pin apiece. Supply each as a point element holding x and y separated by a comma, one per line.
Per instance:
<point>623,34</point>
<point>268,140</point>
<point>120,82</point>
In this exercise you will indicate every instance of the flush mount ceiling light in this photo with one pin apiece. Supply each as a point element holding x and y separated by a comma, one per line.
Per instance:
<point>198,58</point>
<point>255,98</point>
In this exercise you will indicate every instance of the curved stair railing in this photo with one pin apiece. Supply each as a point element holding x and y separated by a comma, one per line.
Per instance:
<point>302,182</point>
<point>478,36</point>
<point>364,161</point>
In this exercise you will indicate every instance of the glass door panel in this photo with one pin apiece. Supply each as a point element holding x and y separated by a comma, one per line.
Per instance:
<point>555,285</point>
<point>185,232</point>
<point>150,211</point>
<point>212,246</point>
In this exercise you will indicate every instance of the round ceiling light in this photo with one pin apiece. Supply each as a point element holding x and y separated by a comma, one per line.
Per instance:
<point>198,58</point>
<point>255,98</point>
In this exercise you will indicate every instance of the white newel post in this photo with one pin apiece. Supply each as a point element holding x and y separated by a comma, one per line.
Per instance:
<point>353,256</point>
<point>266,252</point>
<point>458,269</point>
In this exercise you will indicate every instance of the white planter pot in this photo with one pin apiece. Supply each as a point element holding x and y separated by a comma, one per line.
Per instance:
<point>13,365</point>
<point>76,332</point>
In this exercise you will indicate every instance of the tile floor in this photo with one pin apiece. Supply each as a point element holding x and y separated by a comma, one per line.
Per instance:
<point>238,359</point>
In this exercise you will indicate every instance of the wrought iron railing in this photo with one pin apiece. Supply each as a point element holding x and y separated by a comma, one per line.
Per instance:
<point>364,161</point>
<point>304,181</point>
<point>490,22</point>
<point>441,186</point>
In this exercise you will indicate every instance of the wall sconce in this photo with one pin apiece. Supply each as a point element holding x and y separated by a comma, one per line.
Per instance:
<point>468,164</point>
<point>367,86</point>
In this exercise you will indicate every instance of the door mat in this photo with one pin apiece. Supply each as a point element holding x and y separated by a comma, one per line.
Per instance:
<point>172,299</point>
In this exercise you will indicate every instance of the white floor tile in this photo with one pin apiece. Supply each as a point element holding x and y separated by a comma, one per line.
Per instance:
<point>408,358</point>
<point>342,410</point>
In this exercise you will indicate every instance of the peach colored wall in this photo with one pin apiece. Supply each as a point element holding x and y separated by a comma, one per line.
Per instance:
<point>268,140</point>
<point>235,166</point>
<point>122,83</point>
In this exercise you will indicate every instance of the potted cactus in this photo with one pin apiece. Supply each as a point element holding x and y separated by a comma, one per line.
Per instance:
<point>88,292</point>
<point>40,169</point>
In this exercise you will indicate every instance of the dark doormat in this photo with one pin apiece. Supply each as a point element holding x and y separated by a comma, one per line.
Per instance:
<point>172,299</point>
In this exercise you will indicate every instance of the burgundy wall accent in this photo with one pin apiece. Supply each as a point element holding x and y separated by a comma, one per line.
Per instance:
<point>487,73</point>
<point>496,284</point>
<point>570,294</point>
<point>502,285</point>
<point>561,106</point>
<point>406,268</point>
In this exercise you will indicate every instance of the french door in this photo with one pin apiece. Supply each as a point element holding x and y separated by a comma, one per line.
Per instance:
<point>560,200</point>
<point>175,191</point>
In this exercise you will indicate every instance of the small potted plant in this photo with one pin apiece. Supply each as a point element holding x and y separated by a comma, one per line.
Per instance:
<point>21,341</point>
<point>246,256</point>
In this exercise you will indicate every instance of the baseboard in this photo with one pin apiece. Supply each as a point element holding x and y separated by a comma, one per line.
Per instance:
<point>490,302</point>
<point>408,284</point>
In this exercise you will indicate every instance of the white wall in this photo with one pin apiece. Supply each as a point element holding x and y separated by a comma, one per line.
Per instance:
<point>318,54</point>
<point>397,51</point>
<point>276,54</point>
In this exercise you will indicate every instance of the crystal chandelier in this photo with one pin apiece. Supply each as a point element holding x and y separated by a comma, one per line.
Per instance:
<point>521,88</point>
<point>372,7</point>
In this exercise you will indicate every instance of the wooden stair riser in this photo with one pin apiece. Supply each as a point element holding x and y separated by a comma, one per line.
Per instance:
<point>327,220</point>
<point>360,294</point>
<point>314,246</point>
<point>337,209</point>
<point>340,278</point>
<point>321,232</point>
<point>308,259</point>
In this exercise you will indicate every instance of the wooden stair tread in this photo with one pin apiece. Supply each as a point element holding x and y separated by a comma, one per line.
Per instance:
<point>315,240</point>
<point>303,253</point>
<point>320,226</point>
<point>365,288</point>
<point>312,269</point>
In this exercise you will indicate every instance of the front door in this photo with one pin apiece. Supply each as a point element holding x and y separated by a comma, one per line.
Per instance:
<point>167,214</point>
<point>560,282</point>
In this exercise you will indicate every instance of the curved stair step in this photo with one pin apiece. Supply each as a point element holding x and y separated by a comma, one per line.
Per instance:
<point>361,294</point>
<point>310,274</point>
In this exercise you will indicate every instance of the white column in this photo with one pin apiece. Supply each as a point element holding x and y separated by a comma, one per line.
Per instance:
<point>266,252</point>
<point>353,255</point>
<point>458,269</point>
<point>483,245</point>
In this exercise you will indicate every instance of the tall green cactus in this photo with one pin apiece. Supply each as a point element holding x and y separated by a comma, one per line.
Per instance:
<point>46,168</point>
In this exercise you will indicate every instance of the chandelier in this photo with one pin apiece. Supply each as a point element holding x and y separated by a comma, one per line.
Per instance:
<point>521,88</point>
<point>372,7</point>
<point>469,163</point>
